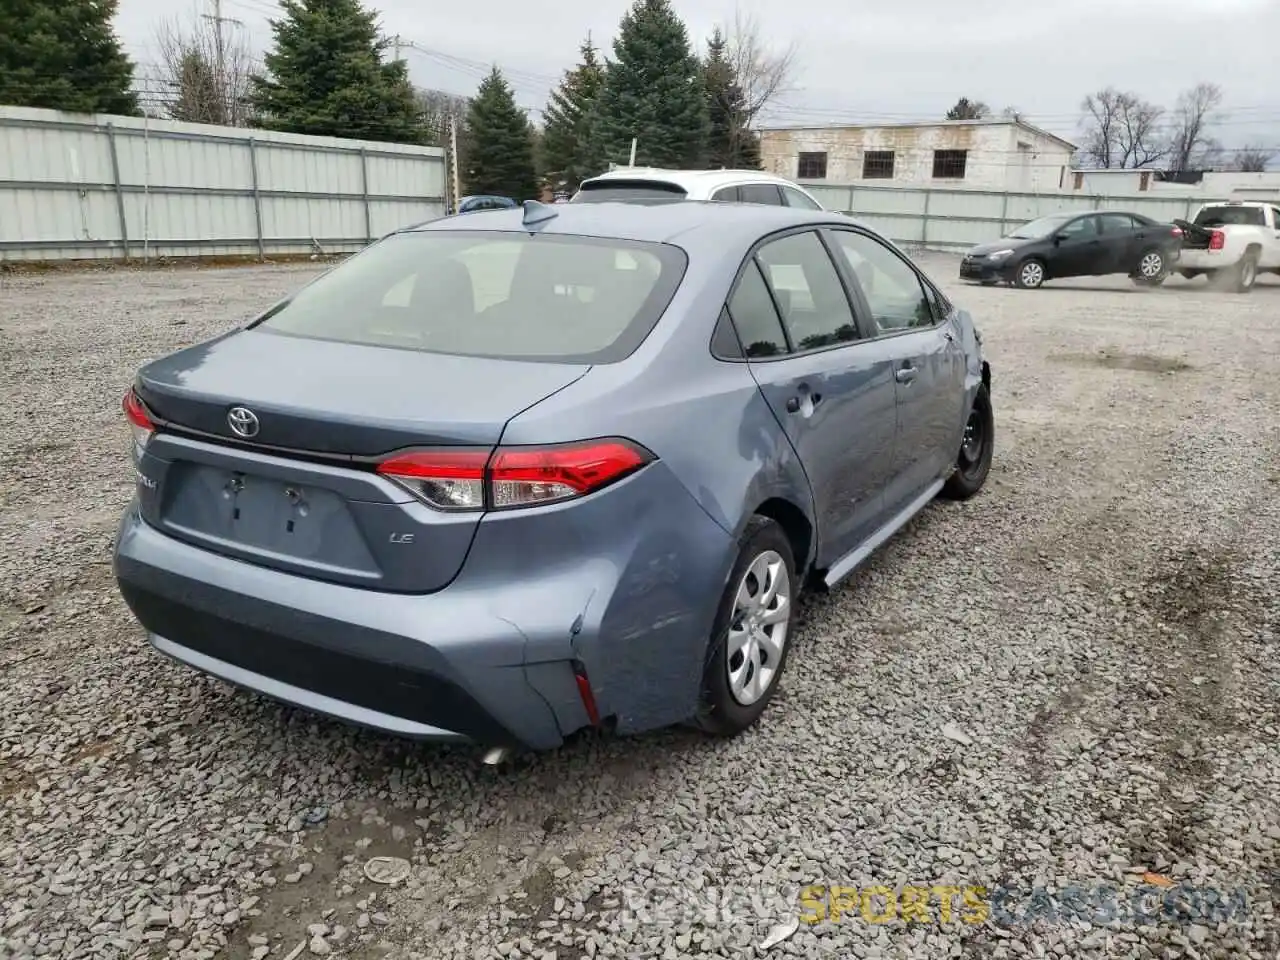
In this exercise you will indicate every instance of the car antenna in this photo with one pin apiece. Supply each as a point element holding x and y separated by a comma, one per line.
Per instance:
<point>535,212</point>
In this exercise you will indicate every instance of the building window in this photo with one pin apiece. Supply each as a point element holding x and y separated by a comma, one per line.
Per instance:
<point>877,165</point>
<point>812,166</point>
<point>949,164</point>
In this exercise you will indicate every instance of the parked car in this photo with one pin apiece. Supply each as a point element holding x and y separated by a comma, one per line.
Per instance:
<point>1231,243</point>
<point>485,202</point>
<point>556,468</point>
<point>1093,244</point>
<point>653,185</point>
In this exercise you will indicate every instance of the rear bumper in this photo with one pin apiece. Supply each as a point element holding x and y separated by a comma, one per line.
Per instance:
<point>1204,259</point>
<point>491,659</point>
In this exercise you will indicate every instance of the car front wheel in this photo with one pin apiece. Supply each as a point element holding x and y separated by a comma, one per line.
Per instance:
<point>752,632</point>
<point>976,450</point>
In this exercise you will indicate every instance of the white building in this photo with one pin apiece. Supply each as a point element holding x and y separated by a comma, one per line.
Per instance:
<point>1007,155</point>
<point>1224,184</point>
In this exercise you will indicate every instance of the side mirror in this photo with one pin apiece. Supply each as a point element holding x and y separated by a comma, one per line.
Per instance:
<point>1058,238</point>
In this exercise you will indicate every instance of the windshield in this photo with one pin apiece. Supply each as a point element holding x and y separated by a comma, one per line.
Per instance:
<point>1231,216</point>
<point>1039,229</point>
<point>631,191</point>
<point>491,294</point>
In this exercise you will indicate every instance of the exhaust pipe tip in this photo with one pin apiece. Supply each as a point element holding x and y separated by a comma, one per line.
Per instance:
<point>495,756</point>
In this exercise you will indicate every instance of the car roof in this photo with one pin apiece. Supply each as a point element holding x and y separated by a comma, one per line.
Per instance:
<point>654,223</point>
<point>696,179</point>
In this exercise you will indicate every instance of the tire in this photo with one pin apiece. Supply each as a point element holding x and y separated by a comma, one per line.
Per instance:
<point>1030,274</point>
<point>727,708</point>
<point>1245,273</point>
<point>1152,268</point>
<point>973,462</point>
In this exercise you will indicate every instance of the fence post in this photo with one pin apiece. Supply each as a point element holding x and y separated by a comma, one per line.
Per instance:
<point>924,218</point>
<point>364,195</point>
<point>257,197</point>
<point>1004,212</point>
<point>850,207</point>
<point>115,174</point>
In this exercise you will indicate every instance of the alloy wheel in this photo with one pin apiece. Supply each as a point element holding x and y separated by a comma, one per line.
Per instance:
<point>1032,274</point>
<point>1151,265</point>
<point>758,629</point>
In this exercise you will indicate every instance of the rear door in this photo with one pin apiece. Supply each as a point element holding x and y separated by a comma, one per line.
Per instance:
<point>832,393</point>
<point>1122,241</point>
<point>928,362</point>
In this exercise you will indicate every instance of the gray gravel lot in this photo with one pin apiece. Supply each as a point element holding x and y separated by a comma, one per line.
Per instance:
<point>1070,681</point>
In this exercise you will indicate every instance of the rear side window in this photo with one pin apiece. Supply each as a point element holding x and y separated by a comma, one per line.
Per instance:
<point>795,198</point>
<point>1231,217</point>
<point>1117,223</point>
<point>808,291</point>
<point>491,294</point>
<point>754,316</point>
<point>631,191</point>
<point>726,195</point>
<point>760,193</point>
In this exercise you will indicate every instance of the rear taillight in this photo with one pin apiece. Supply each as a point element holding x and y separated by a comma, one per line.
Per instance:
<point>513,476</point>
<point>1217,239</point>
<point>1177,233</point>
<point>140,424</point>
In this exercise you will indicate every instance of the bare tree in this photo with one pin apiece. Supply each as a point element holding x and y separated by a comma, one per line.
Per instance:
<point>437,107</point>
<point>1253,159</point>
<point>1191,146</point>
<point>206,70</point>
<point>763,73</point>
<point>1122,130</point>
<point>1014,114</point>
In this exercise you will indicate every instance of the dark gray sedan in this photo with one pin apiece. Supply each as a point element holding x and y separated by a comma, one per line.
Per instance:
<point>502,477</point>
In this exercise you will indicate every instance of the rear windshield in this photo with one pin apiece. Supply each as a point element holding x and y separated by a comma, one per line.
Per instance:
<point>632,191</point>
<point>1230,216</point>
<point>491,294</point>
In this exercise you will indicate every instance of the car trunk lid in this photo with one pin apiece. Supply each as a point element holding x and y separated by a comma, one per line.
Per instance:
<point>296,489</point>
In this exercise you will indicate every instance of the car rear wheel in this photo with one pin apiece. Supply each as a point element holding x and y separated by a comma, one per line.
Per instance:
<point>1151,270</point>
<point>1030,274</point>
<point>976,450</point>
<point>1245,273</point>
<point>752,632</point>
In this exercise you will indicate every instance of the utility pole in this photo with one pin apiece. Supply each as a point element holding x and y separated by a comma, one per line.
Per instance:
<point>224,88</point>
<point>453,160</point>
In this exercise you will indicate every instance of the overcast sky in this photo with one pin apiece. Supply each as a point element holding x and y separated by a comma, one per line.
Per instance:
<point>868,61</point>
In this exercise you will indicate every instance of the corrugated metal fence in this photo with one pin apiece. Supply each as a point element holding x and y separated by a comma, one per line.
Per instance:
<point>97,187</point>
<point>956,219</point>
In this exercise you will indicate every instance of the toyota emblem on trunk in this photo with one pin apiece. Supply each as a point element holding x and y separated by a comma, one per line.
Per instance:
<point>243,422</point>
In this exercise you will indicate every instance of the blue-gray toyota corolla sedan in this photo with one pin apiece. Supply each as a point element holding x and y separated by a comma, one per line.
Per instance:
<point>501,477</point>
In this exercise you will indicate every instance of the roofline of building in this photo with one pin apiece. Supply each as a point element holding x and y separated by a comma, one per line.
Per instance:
<point>995,122</point>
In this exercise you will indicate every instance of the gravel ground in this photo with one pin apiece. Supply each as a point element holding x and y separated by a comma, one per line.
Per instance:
<point>1065,686</point>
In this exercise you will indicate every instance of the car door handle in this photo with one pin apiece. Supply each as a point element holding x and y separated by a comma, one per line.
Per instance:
<point>794,404</point>
<point>905,374</point>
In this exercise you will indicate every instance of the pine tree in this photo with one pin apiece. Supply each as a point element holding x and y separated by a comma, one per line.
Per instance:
<point>64,55</point>
<point>653,92</point>
<point>730,144</point>
<point>570,144</point>
<point>966,109</point>
<point>326,76</point>
<point>499,147</point>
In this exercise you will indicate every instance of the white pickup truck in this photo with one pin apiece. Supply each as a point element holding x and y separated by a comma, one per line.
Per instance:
<point>1231,242</point>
